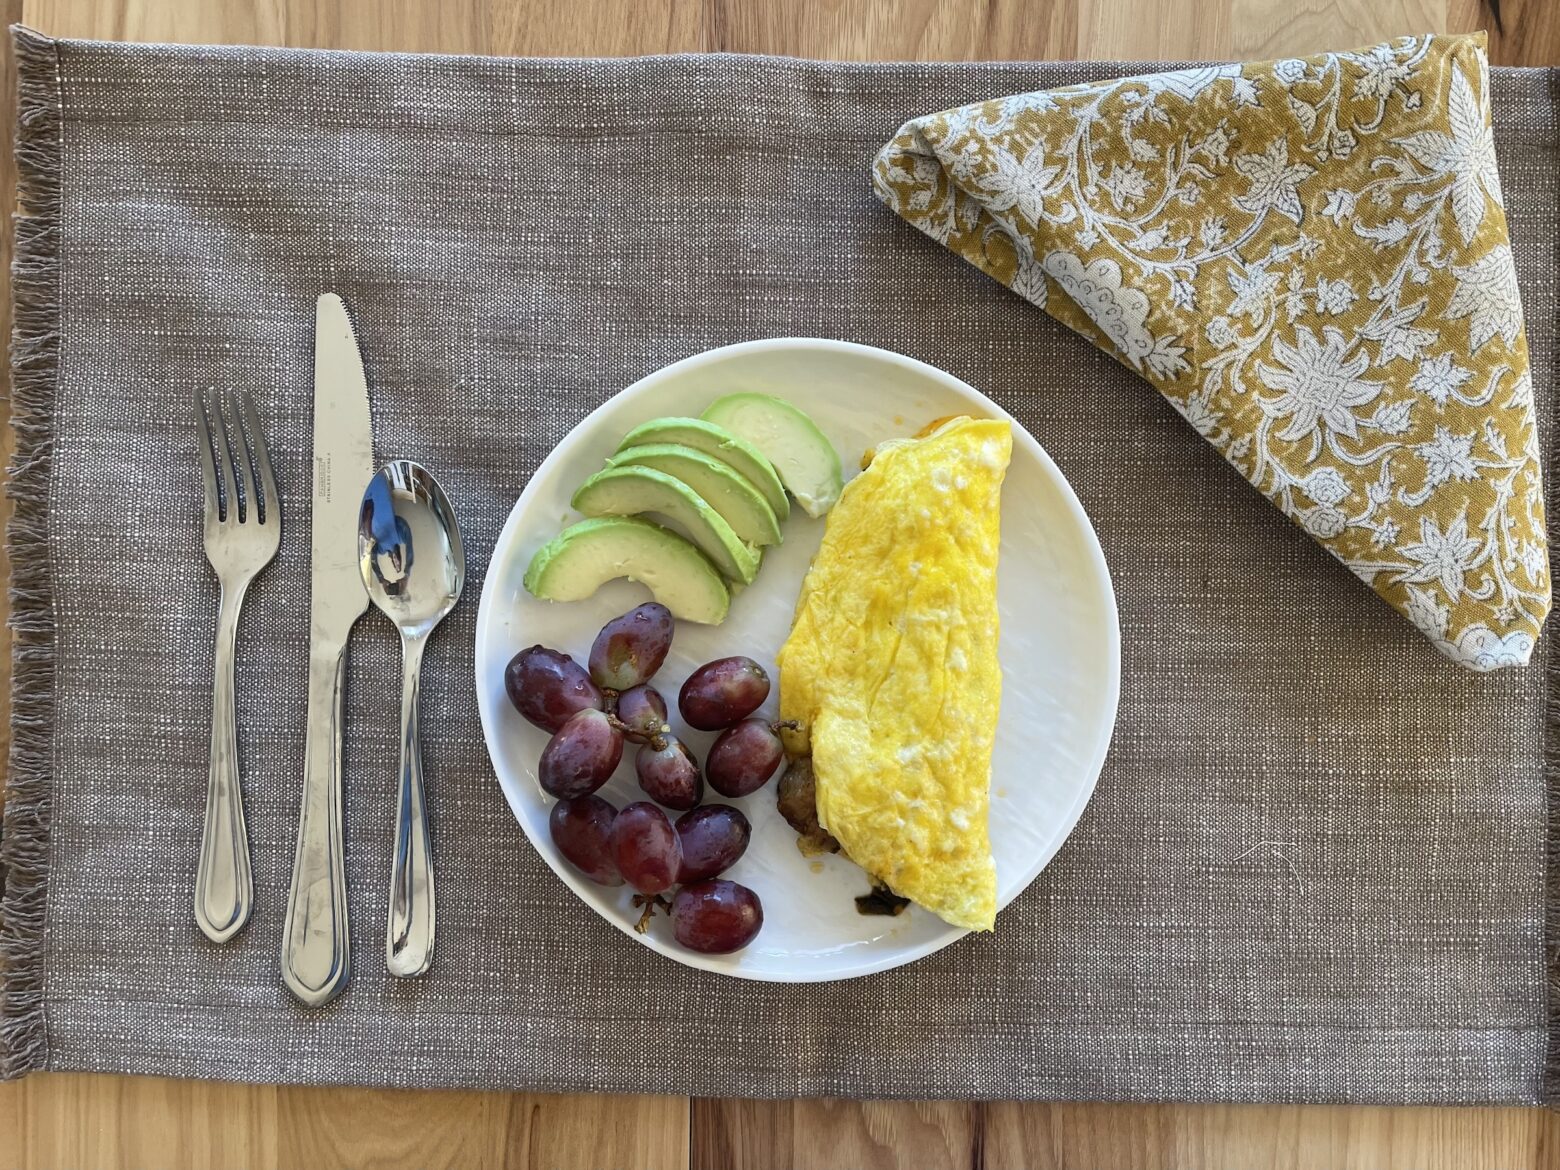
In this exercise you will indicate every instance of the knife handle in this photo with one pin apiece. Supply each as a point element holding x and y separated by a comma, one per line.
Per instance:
<point>316,950</point>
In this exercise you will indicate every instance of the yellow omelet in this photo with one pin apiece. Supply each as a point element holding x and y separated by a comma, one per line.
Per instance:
<point>891,666</point>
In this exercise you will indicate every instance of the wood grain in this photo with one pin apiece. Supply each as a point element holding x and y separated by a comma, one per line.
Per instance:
<point>141,1121</point>
<point>375,1127</point>
<point>1159,1137</point>
<point>1532,29</point>
<point>820,1135</point>
<point>76,1120</point>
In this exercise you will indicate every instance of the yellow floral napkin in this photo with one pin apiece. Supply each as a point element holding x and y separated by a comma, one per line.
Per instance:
<point>1309,259</point>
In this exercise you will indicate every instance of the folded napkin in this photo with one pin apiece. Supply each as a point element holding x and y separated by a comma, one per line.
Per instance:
<point>1309,259</point>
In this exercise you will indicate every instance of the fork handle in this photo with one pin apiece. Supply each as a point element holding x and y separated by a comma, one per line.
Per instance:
<point>316,950</point>
<point>224,888</point>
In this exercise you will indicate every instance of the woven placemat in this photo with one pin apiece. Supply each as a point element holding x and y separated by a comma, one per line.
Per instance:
<point>1314,868</point>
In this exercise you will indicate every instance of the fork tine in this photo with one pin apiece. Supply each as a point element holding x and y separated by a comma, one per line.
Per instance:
<point>270,506</point>
<point>231,513</point>
<point>208,468</point>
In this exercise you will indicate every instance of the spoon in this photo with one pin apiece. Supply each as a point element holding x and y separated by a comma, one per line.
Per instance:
<point>413,566</point>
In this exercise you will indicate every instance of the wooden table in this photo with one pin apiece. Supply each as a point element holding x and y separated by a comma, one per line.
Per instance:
<point>82,1121</point>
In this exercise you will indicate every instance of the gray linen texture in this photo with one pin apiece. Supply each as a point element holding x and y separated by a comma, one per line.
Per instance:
<point>1315,866</point>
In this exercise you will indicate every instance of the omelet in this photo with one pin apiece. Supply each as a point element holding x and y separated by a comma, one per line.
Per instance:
<point>891,666</point>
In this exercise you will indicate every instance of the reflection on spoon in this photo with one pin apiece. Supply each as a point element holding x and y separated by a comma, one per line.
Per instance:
<point>404,508</point>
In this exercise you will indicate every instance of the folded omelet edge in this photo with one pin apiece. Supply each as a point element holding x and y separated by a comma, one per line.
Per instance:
<point>925,835</point>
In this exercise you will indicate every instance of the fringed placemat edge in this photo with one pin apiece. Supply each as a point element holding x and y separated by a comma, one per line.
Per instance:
<point>35,344</point>
<point>1551,1074</point>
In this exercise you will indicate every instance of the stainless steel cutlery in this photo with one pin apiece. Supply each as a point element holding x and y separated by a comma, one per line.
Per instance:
<point>316,949</point>
<point>394,539</point>
<point>243,528</point>
<point>414,568</point>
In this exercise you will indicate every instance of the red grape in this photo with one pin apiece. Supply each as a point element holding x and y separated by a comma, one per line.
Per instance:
<point>630,649</point>
<point>581,755</point>
<point>547,687</point>
<point>668,772</point>
<point>642,711</point>
<point>716,916</point>
<point>646,848</point>
<point>582,830</point>
<point>743,758</point>
<point>721,692</point>
<point>713,836</point>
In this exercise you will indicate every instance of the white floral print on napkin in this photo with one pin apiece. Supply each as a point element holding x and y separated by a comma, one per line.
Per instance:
<point>1309,259</point>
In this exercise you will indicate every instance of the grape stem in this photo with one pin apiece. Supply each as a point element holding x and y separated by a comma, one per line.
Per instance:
<point>649,905</point>
<point>780,725</point>
<point>653,738</point>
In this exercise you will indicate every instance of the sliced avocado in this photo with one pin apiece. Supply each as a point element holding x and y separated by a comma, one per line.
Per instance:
<point>628,491</point>
<point>718,442</point>
<point>585,556</point>
<point>725,490</point>
<point>806,462</point>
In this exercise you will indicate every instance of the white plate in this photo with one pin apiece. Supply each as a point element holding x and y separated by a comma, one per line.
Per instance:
<point>1059,648</point>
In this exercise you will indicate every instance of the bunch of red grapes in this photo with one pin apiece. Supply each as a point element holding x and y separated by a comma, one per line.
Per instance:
<point>592,713</point>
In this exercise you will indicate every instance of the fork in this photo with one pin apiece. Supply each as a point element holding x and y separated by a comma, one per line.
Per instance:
<point>243,521</point>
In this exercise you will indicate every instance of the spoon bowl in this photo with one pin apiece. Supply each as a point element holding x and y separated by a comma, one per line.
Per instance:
<point>414,568</point>
<point>409,547</point>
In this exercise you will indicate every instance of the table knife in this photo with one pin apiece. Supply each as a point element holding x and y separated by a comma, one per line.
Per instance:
<point>316,947</point>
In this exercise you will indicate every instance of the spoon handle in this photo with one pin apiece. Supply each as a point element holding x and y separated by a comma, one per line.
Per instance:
<point>409,933</point>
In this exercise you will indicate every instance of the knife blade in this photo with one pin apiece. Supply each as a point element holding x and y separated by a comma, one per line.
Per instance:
<point>316,947</point>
